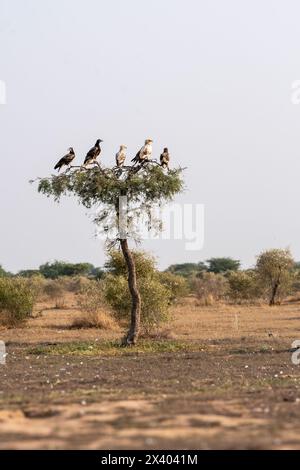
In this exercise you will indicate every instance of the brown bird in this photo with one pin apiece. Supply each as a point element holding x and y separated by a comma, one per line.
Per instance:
<point>93,154</point>
<point>121,156</point>
<point>66,160</point>
<point>165,158</point>
<point>145,154</point>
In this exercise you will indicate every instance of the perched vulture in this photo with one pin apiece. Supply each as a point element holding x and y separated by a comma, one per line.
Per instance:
<point>93,154</point>
<point>66,160</point>
<point>145,154</point>
<point>165,158</point>
<point>121,156</point>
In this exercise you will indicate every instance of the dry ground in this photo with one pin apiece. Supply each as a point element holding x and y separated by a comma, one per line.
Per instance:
<point>224,380</point>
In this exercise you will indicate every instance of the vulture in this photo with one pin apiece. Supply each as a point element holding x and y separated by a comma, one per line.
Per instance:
<point>66,160</point>
<point>121,156</point>
<point>145,154</point>
<point>165,158</point>
<point>94,153</point>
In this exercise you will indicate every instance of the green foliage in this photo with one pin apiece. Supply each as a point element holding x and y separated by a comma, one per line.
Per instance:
<point>187,269</point>
<point>274,268</point>
<point>61,268</point>
<point>155,295</point>
<point>28,273</point>
<point>96,185</point>
<point>244,286</point>
<point>17,299</point>
<point>176,285</point>
<point>222,265</point>
<point>91,296</point>
<point>144,263</point>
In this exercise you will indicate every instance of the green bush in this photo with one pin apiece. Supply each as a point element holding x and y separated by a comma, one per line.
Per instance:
<point>244,286</point>
<point>155,294</point>
<point>209,287</point>
<point>177,285</point>
<point>17,299</point>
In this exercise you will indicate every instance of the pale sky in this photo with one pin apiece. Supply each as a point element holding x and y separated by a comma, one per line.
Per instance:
<point>210,79</point>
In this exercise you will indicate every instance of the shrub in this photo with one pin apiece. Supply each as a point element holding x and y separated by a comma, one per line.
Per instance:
<point>177,285</point>
<point>55,291</point>
<point>209,287</point>
<point>95,314</point>
<point>98,319</point>
<point>156,295</point>
<point>37,284</point>
<point>17,299</point>
<point>244,286</point>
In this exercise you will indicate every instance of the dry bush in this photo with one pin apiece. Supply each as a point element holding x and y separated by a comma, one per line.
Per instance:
<point>37,284</point>
<point>98,319</point>
<point>209,288</point>
<point>159,334</point>
<point>95,313</point>
<point>74,284</point>
<point>54,290</point>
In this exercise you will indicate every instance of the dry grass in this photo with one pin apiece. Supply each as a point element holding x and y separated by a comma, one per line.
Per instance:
<point>99,319</point>
<point>189,322</point>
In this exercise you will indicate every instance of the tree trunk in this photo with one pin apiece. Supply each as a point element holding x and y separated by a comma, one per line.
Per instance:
<point>273,294</point>
<point>135,320</point>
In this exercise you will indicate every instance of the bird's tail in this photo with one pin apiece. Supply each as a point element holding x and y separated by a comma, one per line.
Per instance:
<point>57,167</point>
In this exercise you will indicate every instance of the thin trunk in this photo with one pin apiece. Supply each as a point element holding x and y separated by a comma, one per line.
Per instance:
<point>274,293</point>
<point>135,321</point>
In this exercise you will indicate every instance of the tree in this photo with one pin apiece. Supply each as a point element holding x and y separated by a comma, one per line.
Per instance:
<point>222,265</point>
<point>61,268</point>
<point>274,268</point>
<point>139,188</point>
<point>187,269</point>
<point>29,273</point>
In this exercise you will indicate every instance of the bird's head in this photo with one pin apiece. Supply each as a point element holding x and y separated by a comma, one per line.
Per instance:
<point>166,150</point>
<point>71,150</point>
<point>149,141</point>
<point>99,142</point>
<point>123,147</point>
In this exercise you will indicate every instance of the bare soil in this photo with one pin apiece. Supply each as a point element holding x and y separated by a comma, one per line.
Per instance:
<point>236,388</point>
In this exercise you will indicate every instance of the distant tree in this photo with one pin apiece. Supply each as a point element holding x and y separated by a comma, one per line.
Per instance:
<point>29,273</point>
<point>274,268</point>
<point>187,269</point>
<point>143,186</point>
<point>61,268</point>
<point>222,265</point>
<point>4,273</point>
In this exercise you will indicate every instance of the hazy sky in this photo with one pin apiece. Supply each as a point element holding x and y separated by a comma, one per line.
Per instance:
<point>210,79</point>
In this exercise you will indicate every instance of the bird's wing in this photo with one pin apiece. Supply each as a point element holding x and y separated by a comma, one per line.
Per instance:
<point>137,157</point>
<point>90,155</point>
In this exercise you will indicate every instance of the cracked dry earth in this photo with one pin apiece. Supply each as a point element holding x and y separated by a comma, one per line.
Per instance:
<point>203,400</point>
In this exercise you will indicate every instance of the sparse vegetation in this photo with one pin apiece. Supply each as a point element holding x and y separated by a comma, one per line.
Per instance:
<point>209,287</point>
<point>17,299</point>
